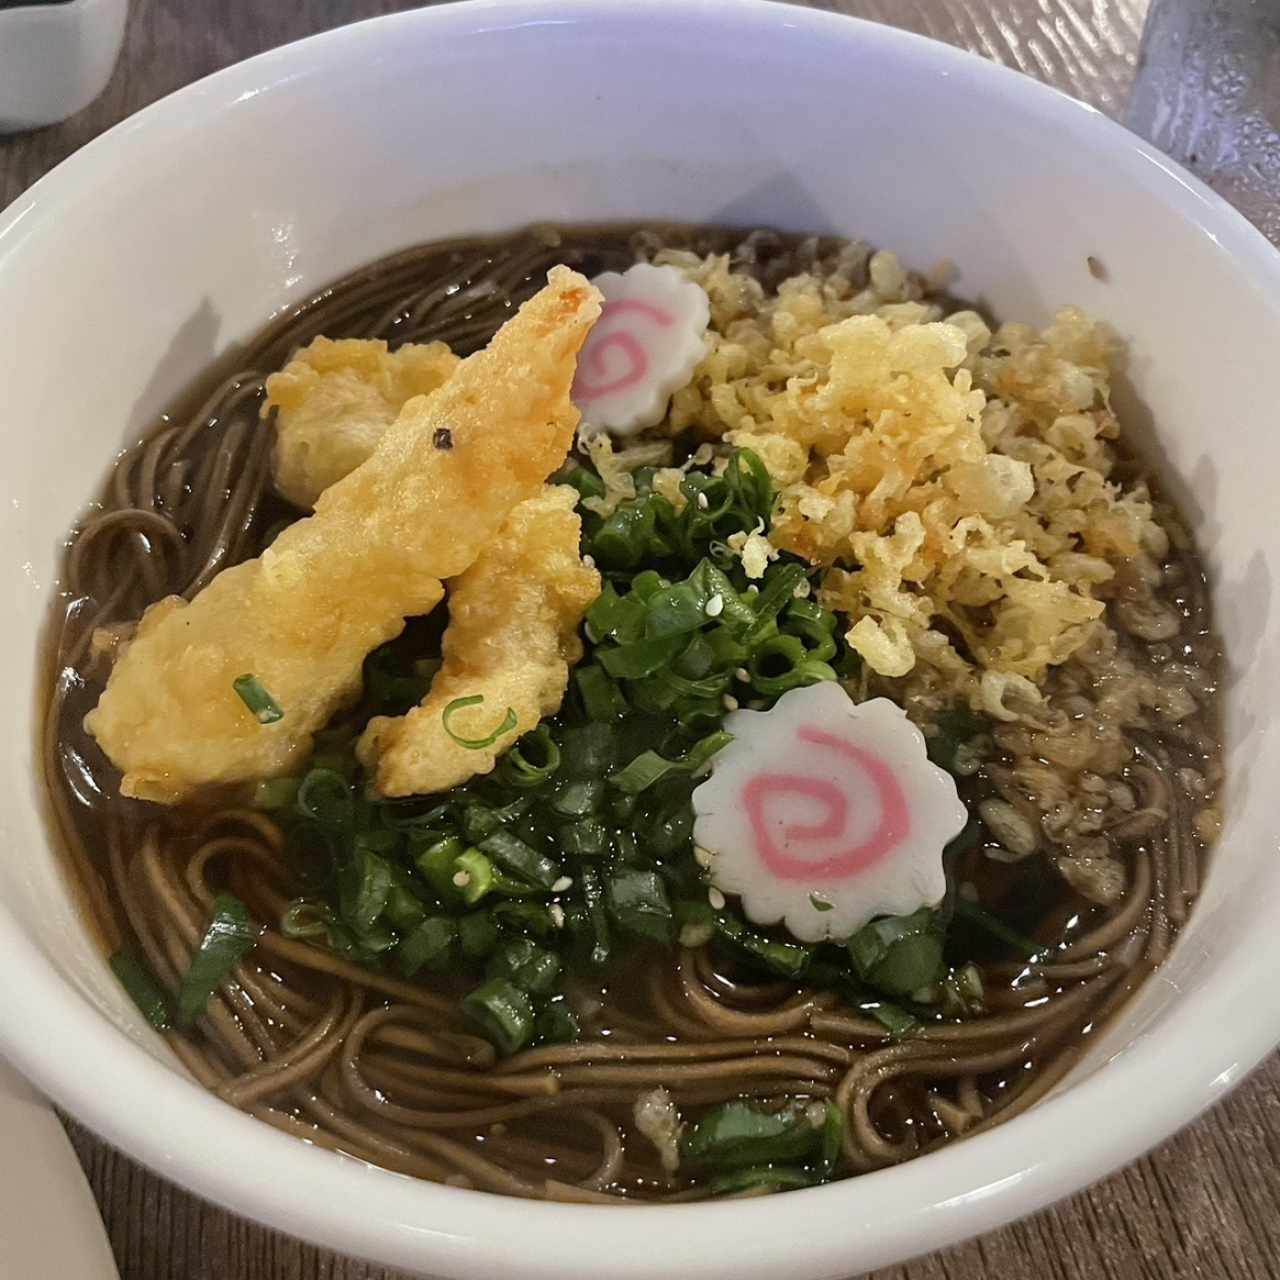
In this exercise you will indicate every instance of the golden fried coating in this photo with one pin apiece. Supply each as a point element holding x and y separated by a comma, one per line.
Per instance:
<point>335,400</point>
<point>512,637</point>
<point>331,588</point>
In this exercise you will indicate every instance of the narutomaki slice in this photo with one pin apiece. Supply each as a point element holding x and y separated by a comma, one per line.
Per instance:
<point>825,813</point>
<point>647,343</point>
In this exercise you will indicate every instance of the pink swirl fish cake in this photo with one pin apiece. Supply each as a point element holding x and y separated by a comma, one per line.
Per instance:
<point>824,813</point>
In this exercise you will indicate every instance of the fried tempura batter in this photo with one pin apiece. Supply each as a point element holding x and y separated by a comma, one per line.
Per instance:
<point>335,400</point>
<point>512,637</point>
<point>302,617</point>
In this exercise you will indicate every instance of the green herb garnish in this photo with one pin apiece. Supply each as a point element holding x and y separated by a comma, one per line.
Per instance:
<point>261,704</point>
<point>509,722</point>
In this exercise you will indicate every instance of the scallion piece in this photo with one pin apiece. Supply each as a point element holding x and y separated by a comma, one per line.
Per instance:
<point>601,698</point>
<point>324,797</point>
<point>520,859</point>
<point>533,760</point>
<point>997,928</point>
<point>579,798</point>
<point>230,935</point>
<point>585,838</point>
<point>261,704</point>
<point>143,988</point>
<point>477,935</point>
<point>438,865</point>
<point>429,945</point>
<point>593,899</point>
<point>736,1135</point>
<point>649,767</point>
<point>640,658</point>
<point>790,959</point>
<point>364,882</point>
<point>557,1024</point>
<point>899,954</point>
<point>897,1022</point>
<point>509,722</point>
<point>532,968</point>
<point>637,900</point>
<point>478,873</point>
<point>501,1012</point>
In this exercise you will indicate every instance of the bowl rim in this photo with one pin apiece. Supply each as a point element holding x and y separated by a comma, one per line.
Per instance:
<point>959,1191</point>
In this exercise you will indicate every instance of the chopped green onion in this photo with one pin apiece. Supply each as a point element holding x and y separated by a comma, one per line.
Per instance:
<point>975,915</point>
<point>616,617</point>
<point>403,909</point>
<point>640,658</point>
<point>429,945</point>
<point>501,1012</point>
<point>532,968</point>
<point>227,939</point>
<point>438,864</point>
<point>477,934</point>
<point>587,483</point>
<point>778,591</point>
<point>587,750</point>
<point>557,1024</point>
<point>522,860</point>
<point>593,899</point>
<point>261,704</point>
<point>897,1022</point>
<point>578,799</point>
<point>899,954</point>
<point>781,663</point>
<point>790,959</point>
<point>585,838</point>
<point>509,722</point>
<point>324,797</point>
<point>649,767</point>
<point>601,698</point>
<point>521,771</point>
<point>526,917</point>
<point>637,900</point>
<point>143,988</point>
<point>478,871</point>
<point>832,1141</point>
<point>739,1134</point>
<point>364,882</point>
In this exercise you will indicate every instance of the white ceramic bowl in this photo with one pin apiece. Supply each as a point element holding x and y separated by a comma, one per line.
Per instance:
<point>130,268</point>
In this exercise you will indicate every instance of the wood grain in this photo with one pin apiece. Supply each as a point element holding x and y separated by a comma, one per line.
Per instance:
<point>1207,1204</point>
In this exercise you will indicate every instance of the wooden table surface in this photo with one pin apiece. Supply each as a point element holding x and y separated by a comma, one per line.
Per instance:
<point>1207,1204</point>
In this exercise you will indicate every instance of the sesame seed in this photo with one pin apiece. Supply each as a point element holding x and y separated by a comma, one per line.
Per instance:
<point>462,879</point>
<point>715,898</point>
<point>753,590</point>
<point>565,882</point>
<point>730,702</point>
<point>703,857</point>
<point>589,561</point>
<point>802,590</point>
<point>715,606</point>
<point>556,912</point>
<point>743,674</point>
<point>703,504</point>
